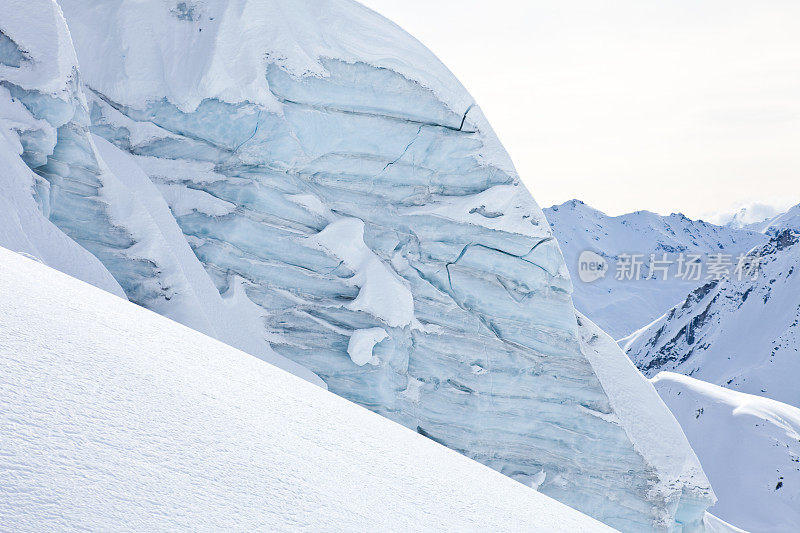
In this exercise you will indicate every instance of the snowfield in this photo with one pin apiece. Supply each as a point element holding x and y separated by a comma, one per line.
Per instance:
<point>749,447</point>
<point>115,418</point>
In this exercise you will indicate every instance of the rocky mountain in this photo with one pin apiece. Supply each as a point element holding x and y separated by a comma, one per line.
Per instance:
<point>742,334</point>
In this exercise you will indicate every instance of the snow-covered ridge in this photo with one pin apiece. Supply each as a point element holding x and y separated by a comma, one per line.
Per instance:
<point>745,217</point>
<point>740,334</point>
<point>753,217</point>
<point>622,307</point>
<point>115,418</point>
<point>276,212</point>
<point>788,220</point>
<point>749,446</point>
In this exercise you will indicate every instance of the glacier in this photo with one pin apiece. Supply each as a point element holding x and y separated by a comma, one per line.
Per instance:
<point>41,70</point>
<point>116,214</point>
<point>308,183</point>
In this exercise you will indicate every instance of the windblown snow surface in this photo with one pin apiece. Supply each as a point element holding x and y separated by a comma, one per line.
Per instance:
<point>749,447</point>
<point>115,418</point>
<point>306,182</point>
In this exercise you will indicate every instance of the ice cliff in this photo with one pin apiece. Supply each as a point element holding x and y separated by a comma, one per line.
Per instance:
<point>116,213</point>
<point>307,182</point>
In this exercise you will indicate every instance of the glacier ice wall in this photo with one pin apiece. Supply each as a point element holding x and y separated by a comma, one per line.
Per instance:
<point>333,180</point>
<point>116,214</point>
<point>41,68</point>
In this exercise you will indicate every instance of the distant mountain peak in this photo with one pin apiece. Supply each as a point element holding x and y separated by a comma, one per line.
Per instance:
<point>621,307</point>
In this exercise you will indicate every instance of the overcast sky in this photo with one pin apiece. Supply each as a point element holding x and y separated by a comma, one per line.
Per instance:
<point>679,105</point>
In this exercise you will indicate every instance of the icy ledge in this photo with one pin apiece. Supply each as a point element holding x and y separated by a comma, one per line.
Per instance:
<point>655,433</point>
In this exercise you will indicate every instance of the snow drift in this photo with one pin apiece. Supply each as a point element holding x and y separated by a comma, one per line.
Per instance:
<point>749,446</point>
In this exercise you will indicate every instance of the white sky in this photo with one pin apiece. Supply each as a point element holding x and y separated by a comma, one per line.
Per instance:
<point>676,105</point>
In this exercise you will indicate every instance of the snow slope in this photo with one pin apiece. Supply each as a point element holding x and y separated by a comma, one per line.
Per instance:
<point>335,186</point>
<point>749,447</point>
<point>788,220</point>
<point>621,307</point>
<point>115,418</point>
<point>740,334</point>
